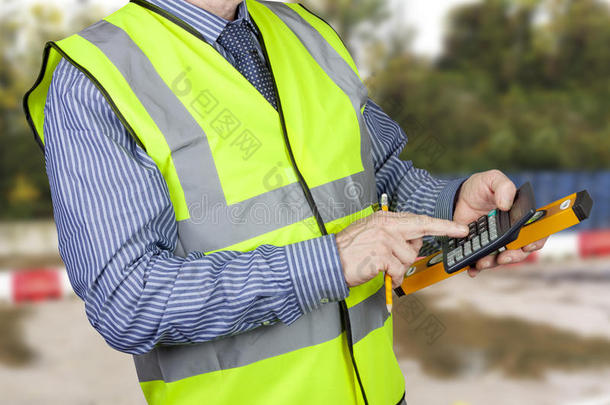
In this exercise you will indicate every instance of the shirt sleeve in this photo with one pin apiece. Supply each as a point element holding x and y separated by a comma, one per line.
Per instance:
<point>117,231</point>
<point>409,188</point>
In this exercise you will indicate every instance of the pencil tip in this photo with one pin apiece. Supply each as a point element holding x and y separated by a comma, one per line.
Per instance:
<point>389,307</point>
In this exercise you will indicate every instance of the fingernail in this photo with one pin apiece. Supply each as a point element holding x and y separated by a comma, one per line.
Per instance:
<point>529,248</point>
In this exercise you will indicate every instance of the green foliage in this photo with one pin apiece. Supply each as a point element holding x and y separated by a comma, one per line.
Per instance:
<point>512,90</point>
<point>521,84</point>
<point>24,189</point>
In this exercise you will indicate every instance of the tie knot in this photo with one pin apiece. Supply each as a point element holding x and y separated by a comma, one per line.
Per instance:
<point>237,38</point>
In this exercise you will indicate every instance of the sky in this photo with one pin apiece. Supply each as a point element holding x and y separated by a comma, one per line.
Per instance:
<point>428,20</point>
<point>426,17</point>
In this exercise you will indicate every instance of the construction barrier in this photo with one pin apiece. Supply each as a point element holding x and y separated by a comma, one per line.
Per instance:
<point>36,285</point>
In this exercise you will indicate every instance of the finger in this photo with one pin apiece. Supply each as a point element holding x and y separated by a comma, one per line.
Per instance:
<point>487,262</point>
<point>473,272</point>
<point>396,270</point>
<point>512,256</point>
<point>504,190</point>
<point>417,244</point>
<point>535,245</point>
<point>423,225</point>
<point>403,251</point>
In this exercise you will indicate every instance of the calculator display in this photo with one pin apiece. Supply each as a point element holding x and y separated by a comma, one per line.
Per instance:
<point>521,206</point>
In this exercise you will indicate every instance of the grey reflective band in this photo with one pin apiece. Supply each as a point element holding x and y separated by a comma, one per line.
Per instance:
<point>187,141</point>
<point>217,226</point>
<point>213,224</point>
<point>175,362</point>
<point>368,315</point>
<point>343,197</point>
<point>341,73</point>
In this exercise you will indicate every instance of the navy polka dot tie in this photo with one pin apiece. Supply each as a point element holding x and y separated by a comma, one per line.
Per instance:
<point>238,39</point>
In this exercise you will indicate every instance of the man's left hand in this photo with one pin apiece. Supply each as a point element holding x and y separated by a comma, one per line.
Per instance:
<point>481,193</point>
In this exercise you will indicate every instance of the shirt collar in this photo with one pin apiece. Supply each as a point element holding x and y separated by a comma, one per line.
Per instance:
<point>207,24</point>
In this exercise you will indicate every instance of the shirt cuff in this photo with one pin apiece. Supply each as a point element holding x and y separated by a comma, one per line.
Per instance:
<point>316,271</point>
<point>445,203</point>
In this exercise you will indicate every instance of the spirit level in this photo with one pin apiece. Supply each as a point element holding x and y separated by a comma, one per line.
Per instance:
<point>547,220</point>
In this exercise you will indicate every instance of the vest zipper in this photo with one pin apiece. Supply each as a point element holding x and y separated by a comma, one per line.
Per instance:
<point>345,320</point>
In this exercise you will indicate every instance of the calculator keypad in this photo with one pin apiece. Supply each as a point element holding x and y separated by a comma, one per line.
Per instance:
<point>481,232</point>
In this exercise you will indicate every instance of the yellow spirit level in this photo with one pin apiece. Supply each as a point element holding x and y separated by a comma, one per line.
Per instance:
<point>547,220</point>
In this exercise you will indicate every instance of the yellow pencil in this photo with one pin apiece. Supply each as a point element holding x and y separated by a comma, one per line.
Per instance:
<point>387,278</point>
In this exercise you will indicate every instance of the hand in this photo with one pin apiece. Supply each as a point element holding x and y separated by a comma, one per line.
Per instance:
<point>481,193</point>
<point>388,241</point>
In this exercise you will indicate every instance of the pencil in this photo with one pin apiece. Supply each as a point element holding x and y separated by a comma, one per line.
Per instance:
<point>387,278</point>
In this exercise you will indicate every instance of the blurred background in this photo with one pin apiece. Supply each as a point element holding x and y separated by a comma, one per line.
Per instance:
<point>519,85</point>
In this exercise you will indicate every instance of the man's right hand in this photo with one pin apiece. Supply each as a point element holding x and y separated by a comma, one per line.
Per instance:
<point>388,241</point>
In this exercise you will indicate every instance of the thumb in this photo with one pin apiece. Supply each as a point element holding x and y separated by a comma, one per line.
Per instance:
<point>504,190</point>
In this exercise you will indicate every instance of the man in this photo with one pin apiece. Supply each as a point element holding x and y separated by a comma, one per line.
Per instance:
<point>213,168</point>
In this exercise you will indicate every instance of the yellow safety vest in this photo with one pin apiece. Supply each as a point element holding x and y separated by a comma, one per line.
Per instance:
<point>241,174</point>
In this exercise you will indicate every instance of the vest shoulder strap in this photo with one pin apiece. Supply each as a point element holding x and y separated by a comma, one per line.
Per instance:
<point>301,14</point>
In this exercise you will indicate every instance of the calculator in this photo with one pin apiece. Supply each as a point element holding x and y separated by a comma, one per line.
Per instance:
<point>490,233</point>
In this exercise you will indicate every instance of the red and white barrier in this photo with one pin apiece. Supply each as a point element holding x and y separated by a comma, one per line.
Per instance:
<point>33,285</point>
<point>574,245</point>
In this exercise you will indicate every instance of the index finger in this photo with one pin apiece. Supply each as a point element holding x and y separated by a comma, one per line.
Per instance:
<point>429,226</point>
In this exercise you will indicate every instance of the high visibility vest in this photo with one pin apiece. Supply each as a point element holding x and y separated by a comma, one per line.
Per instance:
<point>241,174</point>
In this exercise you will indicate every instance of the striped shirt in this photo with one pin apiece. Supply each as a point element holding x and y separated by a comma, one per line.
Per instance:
<point>117,228</point>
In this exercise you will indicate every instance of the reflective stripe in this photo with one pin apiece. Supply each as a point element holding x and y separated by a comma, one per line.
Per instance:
<point>340,72</point>
<point>211,225</point>
<point>352,193</point>
<point>190,150</point>
<point>176,362</point>
<point>368,315</point>
<point>172,363</point>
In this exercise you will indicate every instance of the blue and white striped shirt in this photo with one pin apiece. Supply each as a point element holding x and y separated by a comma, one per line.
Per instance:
<point>117,229</point>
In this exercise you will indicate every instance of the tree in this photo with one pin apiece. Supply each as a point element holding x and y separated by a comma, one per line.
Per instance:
<point>24,190</point>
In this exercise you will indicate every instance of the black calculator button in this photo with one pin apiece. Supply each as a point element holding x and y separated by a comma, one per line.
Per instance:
<point>461,241</point>
<point>451,244</point>
<point>472,227</point>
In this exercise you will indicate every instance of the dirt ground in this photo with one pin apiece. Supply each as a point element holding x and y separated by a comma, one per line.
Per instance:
<point>58,358</point>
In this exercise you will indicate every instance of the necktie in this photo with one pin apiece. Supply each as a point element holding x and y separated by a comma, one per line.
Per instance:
<point>237,39</point>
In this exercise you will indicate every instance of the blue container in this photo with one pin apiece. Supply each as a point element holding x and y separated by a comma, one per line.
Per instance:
<point>551,186</point>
